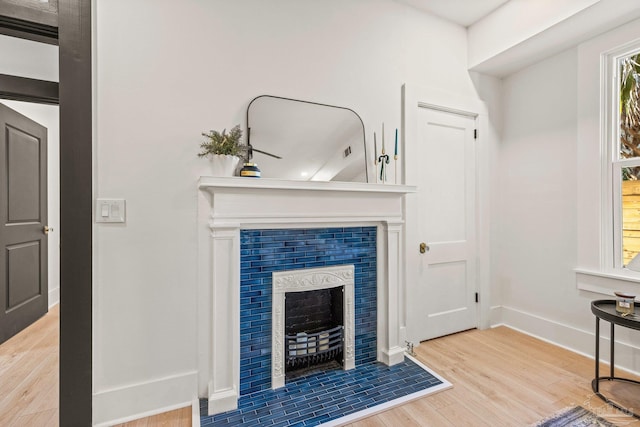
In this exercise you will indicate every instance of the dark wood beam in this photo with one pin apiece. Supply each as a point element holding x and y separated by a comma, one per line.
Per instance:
<point>30,19</point>
<point>32,11</point>
<point>28,90</point>
<point>76,218</point>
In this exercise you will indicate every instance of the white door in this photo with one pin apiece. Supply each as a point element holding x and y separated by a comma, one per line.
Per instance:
<point>444,299</point>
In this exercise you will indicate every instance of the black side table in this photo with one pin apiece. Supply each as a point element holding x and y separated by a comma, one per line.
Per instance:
<point>606,310</point>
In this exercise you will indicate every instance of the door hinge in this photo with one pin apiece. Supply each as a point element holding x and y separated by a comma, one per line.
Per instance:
<point>477,297</point>
<point>475,134</point>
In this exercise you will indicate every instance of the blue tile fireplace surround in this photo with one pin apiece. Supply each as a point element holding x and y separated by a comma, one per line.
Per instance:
<point>264,251</point>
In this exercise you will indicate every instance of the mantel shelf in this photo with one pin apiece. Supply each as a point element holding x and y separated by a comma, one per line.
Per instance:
<point>213,184</point>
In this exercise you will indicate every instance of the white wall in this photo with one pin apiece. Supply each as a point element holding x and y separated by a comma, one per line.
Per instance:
<point>523,32</point>
<point>26,58</point>
<point>489,90</point>
<point>536,247</point>
<point>517,21</point>
<point>540,198</point>
<point>165,71</point>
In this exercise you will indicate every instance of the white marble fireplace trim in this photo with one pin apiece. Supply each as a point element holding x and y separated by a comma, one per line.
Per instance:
<point>227,205</point>
<point>310,279</point>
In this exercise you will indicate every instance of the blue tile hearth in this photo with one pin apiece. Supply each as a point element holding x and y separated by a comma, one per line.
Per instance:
<point>325,396</point>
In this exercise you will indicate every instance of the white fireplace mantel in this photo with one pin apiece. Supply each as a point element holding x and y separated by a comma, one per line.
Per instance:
<point>208,183</point>
<point>227,205</point>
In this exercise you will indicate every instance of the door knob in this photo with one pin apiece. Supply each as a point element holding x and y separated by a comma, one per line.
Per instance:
<point>48,229</point>
<point>423,247</point>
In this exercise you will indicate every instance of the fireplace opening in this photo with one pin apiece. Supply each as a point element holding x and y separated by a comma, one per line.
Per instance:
<point>312,322</point>
<point>314,331</point>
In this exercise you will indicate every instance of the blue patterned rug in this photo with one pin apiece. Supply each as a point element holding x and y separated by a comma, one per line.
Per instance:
<point>574,417</point>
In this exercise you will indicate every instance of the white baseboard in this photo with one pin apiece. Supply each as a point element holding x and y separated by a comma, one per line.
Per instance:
<point>195,412</point>
<point>391,357</point>
<point>222,401</point>
<point>571,338</point>
<point>495,315</point>
<point>54,296</point>
<point>141,400</point>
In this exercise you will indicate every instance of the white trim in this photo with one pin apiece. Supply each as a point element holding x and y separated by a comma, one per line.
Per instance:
<point>310,279</point>
<point>224,319</point>
<point>447,109</point>
<point>321,223</point>
<point>144,399</point>
<point>390,289</point>
<point>195,412</point>
<point>606,283</point>
<point>250,220</point>
<point>235,184</point>
<point>539,327</point>
<point>571,338</point>
<point>617,275</point>
<point>607,244</point>
<point>222,400</point>
<point>393,403</point>
<point>611,227</point>
<point>495,316</point>
<point>392,356</point>
<point>54,297</point>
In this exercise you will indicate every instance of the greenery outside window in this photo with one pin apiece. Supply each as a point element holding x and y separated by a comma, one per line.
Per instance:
<point>625,161</point>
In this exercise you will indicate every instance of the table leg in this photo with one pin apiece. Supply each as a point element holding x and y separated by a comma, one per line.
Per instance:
<point>597,383</point>
<point>613,340</point>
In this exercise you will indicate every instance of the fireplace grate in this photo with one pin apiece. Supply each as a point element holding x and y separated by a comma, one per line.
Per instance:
<point>308,349</point>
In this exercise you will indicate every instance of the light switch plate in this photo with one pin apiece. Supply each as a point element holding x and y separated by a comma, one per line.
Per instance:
<point>110,210</point>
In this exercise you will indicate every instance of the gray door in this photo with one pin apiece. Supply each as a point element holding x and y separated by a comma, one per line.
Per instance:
<point>23,217</point>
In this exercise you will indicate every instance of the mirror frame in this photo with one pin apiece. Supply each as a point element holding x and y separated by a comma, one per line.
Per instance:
<point>364,136</point>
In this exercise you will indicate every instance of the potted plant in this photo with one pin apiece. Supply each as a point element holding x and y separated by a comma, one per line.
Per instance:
<point>223,150</point>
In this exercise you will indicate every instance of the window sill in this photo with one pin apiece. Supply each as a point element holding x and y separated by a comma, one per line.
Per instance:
<point>606,283</point>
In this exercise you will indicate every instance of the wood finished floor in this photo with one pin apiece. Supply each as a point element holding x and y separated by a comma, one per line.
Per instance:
<point>500,377</point>
<point>29,375</point>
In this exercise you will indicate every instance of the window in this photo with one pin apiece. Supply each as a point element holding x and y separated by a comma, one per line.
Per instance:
<point>625,159</point>
<point>601,160</point>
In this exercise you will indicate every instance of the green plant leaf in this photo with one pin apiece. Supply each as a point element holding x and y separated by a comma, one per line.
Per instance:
<point>222,143</point>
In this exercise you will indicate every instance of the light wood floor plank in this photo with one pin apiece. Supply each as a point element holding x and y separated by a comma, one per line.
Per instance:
<point>47,418</point>
<point>500,377</point>
<point>29,374</point>
<point>178,418</point>
<point>425,414</point>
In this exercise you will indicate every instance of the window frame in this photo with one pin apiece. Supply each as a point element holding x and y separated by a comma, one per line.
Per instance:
<point>613,164</point>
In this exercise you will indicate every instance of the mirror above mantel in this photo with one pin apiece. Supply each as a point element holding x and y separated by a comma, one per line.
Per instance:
<point>300,140</point>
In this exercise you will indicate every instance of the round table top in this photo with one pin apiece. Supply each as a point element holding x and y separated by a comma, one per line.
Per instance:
<point>606,309</point>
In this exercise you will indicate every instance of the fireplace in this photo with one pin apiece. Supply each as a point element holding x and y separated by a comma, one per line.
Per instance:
<point>281,261</point>
<point>241,224</point>
<point>313,331</point>
<point>313,320</point>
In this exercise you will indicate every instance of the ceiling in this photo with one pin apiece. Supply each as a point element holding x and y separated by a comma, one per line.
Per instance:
<point>462,12</point>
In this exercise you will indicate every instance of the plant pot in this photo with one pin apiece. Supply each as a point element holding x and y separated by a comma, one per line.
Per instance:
<point>223,165</point>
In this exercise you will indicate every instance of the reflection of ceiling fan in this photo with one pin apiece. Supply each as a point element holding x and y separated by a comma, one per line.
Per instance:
<point>250,148</point>
<point>309,135</point>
